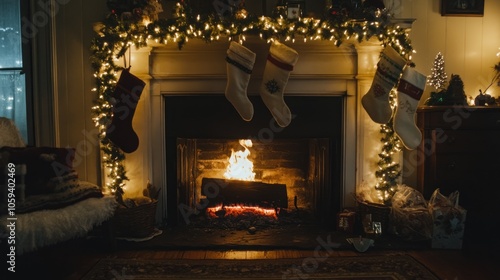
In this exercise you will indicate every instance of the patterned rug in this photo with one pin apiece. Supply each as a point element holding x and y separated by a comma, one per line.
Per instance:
<point>387,267</point>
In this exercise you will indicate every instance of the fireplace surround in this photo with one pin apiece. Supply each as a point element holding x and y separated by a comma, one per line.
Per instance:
<point>198,73</point>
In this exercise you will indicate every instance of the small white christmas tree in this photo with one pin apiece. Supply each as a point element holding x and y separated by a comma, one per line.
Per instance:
<point>438,77</point>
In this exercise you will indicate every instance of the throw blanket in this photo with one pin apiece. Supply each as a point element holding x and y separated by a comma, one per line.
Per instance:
<point>47,227</point>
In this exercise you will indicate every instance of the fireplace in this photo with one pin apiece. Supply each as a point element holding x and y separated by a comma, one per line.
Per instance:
<point>306,157</point>
<point>186,108</point>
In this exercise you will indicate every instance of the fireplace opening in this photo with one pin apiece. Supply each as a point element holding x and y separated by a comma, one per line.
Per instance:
<point>295,174</point>
<point>264,183</point>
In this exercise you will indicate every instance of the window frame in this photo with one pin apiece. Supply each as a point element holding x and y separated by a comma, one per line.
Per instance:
<point>27,52</point>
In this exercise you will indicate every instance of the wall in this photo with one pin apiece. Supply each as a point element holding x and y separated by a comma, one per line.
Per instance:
<point>469,46</point>
<point>74,81</point>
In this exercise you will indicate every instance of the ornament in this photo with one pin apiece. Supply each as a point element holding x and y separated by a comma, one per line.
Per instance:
<point>137,12</point>
<point>484,99</point>
<point>241,14</point>
<point>152,9</point>
<point>272,86</point>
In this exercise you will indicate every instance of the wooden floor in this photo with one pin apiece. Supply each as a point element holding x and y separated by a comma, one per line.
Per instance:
<point>73,260</point>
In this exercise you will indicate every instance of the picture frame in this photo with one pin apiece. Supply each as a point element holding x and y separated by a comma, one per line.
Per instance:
<point>462,8</point>
<point>296,9</point>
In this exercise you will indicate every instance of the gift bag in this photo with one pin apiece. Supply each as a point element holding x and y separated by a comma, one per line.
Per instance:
<point>448,220</point>
<point>410,219</point>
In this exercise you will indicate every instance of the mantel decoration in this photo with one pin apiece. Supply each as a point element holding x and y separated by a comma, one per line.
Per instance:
<point>138,23</point>
<point>483,98</point>
<point>445,94</point>
<point>452,92</point>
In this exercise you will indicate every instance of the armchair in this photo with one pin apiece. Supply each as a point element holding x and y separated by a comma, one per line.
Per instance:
<point>48,202</point>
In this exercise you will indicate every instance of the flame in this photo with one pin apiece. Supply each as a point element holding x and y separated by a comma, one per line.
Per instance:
<point>240,167</point>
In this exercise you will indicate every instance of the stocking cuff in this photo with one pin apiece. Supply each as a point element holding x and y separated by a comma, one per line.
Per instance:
<point>282,54</point>
<point>240,56</point>
<point>130,83</point>
<point>393,57</point>
<point>412,83</point>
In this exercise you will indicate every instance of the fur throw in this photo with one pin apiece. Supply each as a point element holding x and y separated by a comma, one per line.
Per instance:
<point>9,134</point>
<point>47,227</point>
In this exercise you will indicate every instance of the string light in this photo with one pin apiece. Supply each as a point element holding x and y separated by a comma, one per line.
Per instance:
<point>388,170</point>
<point>438,76</point>
<point>116,36</point>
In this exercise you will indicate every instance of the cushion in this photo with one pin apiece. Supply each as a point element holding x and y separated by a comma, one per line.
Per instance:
<point>43,164</point>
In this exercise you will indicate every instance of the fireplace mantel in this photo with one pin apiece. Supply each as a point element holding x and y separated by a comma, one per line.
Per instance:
<point>200,68</point>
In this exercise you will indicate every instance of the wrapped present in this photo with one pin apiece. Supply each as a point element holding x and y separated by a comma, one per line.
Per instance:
<point>448,221</point>
<point>413,224</point>
<point>346,221</point>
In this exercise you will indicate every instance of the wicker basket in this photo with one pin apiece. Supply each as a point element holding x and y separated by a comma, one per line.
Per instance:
<point>135,222</point>
<point>380,213</point>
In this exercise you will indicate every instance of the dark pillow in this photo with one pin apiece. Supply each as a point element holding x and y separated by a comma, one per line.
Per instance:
<point>69,191</point>
<point>42,165</point>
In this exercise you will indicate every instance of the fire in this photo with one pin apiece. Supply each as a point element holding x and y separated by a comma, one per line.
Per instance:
<point>234,211</point>
<point>240,167</point>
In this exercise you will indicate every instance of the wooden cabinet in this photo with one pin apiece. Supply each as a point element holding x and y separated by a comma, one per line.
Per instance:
<point>460,150</point>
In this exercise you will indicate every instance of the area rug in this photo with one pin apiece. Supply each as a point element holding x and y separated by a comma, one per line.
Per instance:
<point>384,267</point>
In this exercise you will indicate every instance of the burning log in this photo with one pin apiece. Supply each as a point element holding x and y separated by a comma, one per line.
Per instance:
<point>234,192</point>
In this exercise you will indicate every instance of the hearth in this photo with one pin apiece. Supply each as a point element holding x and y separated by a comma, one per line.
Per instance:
<point>297,168</point>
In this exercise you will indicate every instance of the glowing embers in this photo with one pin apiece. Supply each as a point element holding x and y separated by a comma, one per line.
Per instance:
<point>240,167</point>
<point>241,210</point>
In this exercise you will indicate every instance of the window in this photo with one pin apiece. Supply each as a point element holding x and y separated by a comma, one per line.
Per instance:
<point>14,96</point>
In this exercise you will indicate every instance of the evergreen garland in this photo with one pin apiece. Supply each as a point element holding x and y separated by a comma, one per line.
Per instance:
<point>389,171</point>
<point>118,33</point>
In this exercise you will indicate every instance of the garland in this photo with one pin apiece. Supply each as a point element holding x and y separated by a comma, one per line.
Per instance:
<point>117,34</point>
<point>388,170</point>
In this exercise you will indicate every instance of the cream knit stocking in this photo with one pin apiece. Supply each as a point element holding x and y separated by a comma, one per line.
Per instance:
<point>280,63</point>
<point>376,100</point>
<point>410,89</point>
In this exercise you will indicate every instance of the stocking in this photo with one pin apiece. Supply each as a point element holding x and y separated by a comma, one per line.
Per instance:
<point>280,62</point>
<point>376,100</point>
<point>410,89</point>
<point>240,61</point>
<point>126,95</point>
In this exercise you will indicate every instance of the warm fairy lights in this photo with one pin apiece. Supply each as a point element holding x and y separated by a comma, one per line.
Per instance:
<point>115,36</point>
<point>388,170</point>
<point>438,76</point>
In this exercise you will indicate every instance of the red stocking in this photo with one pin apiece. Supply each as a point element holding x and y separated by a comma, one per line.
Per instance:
<point>126,95</point>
